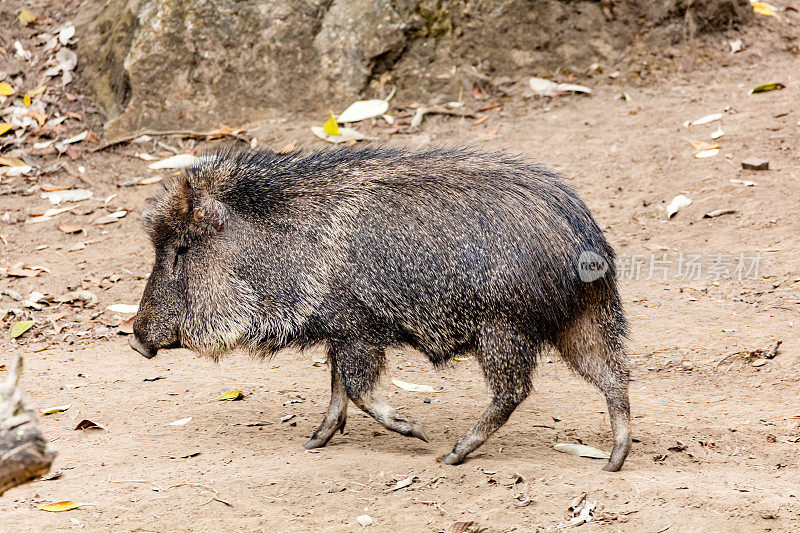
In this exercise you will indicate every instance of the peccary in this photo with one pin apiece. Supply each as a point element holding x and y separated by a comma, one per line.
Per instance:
<point>448,251</point>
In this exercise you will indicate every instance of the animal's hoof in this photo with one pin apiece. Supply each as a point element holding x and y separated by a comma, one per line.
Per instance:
<point>612,467</point>
<point>418,432</point>
<point>313,443</point>
<point>452,459</point>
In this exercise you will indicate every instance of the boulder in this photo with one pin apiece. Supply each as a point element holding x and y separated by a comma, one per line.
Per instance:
<point>177,64</point>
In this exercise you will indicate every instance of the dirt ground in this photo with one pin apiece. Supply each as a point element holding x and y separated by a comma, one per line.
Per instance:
<point>717,440</point>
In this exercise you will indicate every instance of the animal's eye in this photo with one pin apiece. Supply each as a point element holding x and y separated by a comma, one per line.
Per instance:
<point>180,250</point>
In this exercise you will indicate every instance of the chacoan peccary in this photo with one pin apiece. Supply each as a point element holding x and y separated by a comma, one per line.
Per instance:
<point>449,251</point>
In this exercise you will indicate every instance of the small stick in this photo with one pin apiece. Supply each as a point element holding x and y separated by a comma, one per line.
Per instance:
<point>183,133</point>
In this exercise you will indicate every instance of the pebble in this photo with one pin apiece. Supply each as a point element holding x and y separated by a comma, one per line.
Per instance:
<point>687,366</point>
<point>759,362</point>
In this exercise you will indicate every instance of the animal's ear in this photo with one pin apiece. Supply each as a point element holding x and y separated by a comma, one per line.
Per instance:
<point>210,213</point>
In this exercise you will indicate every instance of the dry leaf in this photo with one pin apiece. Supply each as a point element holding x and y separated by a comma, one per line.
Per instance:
<point>718,133</point>
<point>60,507</point>
<point>231,395</point>
<point>181,422</point>
<point>88,424</point>
<point>41,118</point>
<point>20,327</point>
<point>6,89</point>
<point>123,308</point>
<point>478,93</point>
<point>331,127</point>
<point>126,328</point>
<point>345,135</point>
<point>71,195</point>
<point>362,110</point>
<point>763,8</point>
<point>65,228</point>
<point>543,87</point>
<point>56,409</point>
<point>581,450</point>
<point>5,127</point>
<point>677,203</point>
<point>26,17</point>
<point>176,161</point>
<point>413,387</point>
<point>774,86</point>
<point>706,153</point>
<point>719,213</point>
<point>702,145</point>
<point>704,120</point>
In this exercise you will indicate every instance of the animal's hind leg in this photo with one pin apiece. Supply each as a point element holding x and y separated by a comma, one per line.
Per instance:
<point>507,360</point>
<point>360,366</point>
<point>596,351</point>
<point>335,418</point>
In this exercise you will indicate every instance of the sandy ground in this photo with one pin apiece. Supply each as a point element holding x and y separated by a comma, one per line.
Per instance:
<point>716,439</point>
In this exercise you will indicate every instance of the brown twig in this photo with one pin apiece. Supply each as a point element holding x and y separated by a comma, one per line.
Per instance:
<point>182,133</point>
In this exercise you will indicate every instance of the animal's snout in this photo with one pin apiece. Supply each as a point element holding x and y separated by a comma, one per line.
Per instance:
<point>140,347</point>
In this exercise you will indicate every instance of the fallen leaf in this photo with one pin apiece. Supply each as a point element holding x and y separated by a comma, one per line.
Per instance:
<point>65,228</point>
<point>362,110</point>
<point>287,418</point>
<point>71,195</point>
<point>746,183</point>
<point>59,507</point>
<point>581,450</point>
<point>41,118</point>
<point>176,161</point>
<point>21,272</point>
<point>460,527</point>
<point>150,181</point>
<point>719,213</point>
<point>702,145</point>
<point>345,135</point>
<point>677,203</point>
<point>704,120</point>
<point>81,295</point>
<point>76,138</point>
<point>706,153</point>
<point>112,218</point>
<point>56,409</point>
<point>88,424</point>
<point>231,395</point>
<point>65,34</point>
<point>413,387</point>
<point>401,484</point>
<point>755,163</point>
<point>331,127</point>
<point>365,520</point>
<point>20,327</point>
<point>26,101</point>
<point>6,89</point>
<point>718,133</point>
<point>126,328</point>
<point>774,86</point>
<point>5,127</point>
<point>181,422</point>
<point>123,308</point>
<point>543,87</point>
<point>763,8</point>
<point>26,17</point>
<point>480,120</point>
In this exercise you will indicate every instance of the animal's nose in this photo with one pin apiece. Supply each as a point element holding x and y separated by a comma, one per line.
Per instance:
<point>139,346</point>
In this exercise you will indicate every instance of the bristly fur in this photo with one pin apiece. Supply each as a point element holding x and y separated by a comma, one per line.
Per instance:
<point>446,250</point>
